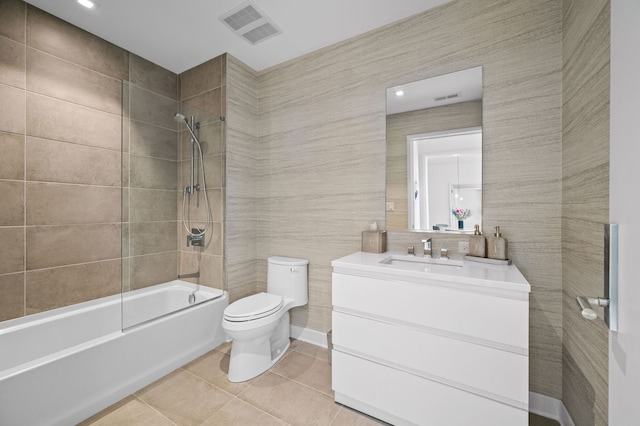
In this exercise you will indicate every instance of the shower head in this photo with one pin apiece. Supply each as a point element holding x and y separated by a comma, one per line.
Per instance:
<point>180,118</point>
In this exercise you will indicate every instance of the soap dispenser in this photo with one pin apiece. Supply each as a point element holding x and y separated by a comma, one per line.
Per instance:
<point>477,243</point>
<point>497,246</point>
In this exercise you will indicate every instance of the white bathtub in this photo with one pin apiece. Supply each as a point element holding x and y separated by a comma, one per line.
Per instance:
<point>62,366</point>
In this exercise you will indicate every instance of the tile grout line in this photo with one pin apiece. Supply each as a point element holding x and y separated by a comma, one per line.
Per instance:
<point>154,409</point>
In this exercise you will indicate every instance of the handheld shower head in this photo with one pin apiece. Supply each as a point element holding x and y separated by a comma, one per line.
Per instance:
<point>181,119</point>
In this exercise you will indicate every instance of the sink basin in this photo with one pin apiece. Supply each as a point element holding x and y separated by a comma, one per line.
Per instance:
<point>426,264</point>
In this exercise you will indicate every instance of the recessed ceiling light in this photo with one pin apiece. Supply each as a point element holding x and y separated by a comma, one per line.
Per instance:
<point>87,3</point>
<point>399,92</point>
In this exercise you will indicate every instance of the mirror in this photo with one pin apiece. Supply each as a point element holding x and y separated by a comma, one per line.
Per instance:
<point>434,153</point>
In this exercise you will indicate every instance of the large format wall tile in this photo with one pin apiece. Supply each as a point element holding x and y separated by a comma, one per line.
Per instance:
<point>12,300</point>
<point>151,108</point>
<point>51,118</point>
<point>11,156</point>
<point>12,205</point>
<point>11,250</point>
<point>153,237</point>
<point>51,246</point>
<point>12,104</point>
<point>12,19</point>
<point>52,161</point>
<point>52,35</point>
<point>61,204</point>
<point>207,107</point>
<point>153,141</point>
<point>58,78</point>
<point>202,78</point>
<point>152,77</point>
<point>153,269</point>
<point>153,173</point>
<point>56,287</point>
<point>12,63</point>
<point>152,205</point>
<point>65,136</point>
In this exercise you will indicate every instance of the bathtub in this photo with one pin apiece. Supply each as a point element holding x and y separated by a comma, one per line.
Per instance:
<point>62,366</point>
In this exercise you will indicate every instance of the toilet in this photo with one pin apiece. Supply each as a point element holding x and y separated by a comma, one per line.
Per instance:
<point>258,325</point>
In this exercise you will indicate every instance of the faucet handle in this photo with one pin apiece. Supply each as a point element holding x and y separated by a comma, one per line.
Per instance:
<point>426,250</point>
<point>444,253</point>
<point>410,251</point>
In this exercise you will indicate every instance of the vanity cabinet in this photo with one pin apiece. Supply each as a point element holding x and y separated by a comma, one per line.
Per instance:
<point>413,347</point>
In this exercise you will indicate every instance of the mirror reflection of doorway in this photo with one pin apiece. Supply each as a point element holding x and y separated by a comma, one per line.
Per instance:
<point>445,173</point>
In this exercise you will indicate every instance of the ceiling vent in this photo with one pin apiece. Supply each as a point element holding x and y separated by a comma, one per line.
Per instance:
<point>250,23</point>
<point>447,97</point>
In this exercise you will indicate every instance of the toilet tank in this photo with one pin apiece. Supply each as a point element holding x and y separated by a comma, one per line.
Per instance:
<point>288,277</point>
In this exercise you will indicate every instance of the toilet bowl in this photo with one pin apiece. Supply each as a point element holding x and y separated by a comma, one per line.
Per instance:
<point>258,325</point>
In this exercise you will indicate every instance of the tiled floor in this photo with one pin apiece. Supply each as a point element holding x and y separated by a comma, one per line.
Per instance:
<point>297,391</point>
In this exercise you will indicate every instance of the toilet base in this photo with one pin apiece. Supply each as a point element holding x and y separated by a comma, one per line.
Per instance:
<point>252,357</point>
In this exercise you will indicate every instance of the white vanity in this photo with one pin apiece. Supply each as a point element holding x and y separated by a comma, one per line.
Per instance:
<point>431,342</point>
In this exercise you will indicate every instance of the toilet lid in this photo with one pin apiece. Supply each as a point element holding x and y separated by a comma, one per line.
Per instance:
<point>253,307</point>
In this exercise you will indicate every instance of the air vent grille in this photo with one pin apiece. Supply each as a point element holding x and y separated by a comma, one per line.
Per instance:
<point>242,17</point>
<point>250,23</point>
<point>447,97</point>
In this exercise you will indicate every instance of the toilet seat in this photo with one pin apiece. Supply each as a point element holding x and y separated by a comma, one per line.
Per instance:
<point>253,307</point>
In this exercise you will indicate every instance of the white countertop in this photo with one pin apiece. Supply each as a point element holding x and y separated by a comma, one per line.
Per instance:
<point>469,273</point>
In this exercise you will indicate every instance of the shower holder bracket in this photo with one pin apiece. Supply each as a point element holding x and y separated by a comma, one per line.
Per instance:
<point>196,187</point>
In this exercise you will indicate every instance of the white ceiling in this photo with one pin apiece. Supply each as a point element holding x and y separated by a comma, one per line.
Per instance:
<point>181,34</point>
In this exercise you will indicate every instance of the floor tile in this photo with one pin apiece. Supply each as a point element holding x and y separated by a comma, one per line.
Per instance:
<point>313,350</point>
<point>239,413</point>
<point>130,411</point>
<point>290,401</point>
<point>184,398</point>
<point>307,370</point>
<point>214,367</point>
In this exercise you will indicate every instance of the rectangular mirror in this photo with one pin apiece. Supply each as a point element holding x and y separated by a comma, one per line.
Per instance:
<point>434,153</point>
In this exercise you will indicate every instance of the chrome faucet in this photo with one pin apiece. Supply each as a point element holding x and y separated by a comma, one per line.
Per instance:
<point>444,253</point>
<point>427,247</point>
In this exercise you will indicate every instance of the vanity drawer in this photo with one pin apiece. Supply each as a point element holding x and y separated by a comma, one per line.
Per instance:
<point>480,369</point>
<point>489,319</point>
<point>403,398</point>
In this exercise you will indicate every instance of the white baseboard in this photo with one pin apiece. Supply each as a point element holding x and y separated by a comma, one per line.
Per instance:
<point>314,337</point>
<point>549,407</point>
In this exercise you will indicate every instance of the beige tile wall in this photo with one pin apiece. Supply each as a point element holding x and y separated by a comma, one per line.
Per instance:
<point>321,148</point>
<point>399,126</point>
<point>585,167</point>
<point>202,94</point>
<point>150,176</point>
<point>241,179</point>
<point>61,136</point>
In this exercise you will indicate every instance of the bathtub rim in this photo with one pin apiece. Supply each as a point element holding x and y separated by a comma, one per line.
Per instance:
<point>39,317</point>
<point>18,324</point>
